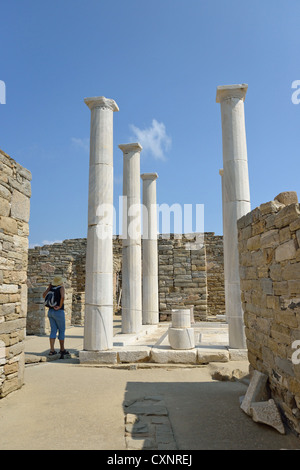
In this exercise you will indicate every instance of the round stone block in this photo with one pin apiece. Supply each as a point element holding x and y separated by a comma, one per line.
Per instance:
<point>181,318</point>
<point>181,338</point>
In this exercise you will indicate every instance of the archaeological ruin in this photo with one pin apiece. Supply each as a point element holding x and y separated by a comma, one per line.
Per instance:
<point>247,280</point>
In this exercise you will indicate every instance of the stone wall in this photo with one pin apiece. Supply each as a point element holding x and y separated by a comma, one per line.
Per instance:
<point>68,260</point>
<point>215,274</point>
<point>181,277</point>
<point>184,277</point>
<point>15,192</point>
<point>269,240</point>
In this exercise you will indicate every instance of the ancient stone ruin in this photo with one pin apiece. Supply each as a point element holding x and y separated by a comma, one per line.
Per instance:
<point>249,279</point>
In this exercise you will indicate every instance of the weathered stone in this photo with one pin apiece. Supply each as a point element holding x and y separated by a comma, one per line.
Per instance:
<point>20,206</point>
<point>165,356</point>
<point>257,391</point>
<point>134,355</point>
<point>269,239</point>
<point>285,251</point>
<point>8,225</point>
<point>208,355</point>
<point>270,207</point>
<point>287,215</point>
<point>266,412</point>
<point>287,198</point>
<point>13,266</point>
<point>253,243</point>
<point>291,271</point>
<point>98,357</point>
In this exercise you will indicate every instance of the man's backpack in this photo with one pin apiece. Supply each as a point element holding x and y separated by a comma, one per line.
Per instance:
<point>52,299</point>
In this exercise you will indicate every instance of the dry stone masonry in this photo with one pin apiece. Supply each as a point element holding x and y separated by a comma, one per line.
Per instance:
<point>66,259</point>
<point>214,274</point>
<point>181,277</point>
<point>269,241</point>
<point>15,192</point>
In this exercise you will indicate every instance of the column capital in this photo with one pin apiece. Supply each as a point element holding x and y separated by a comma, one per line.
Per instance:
<point>149,176</point>
<point>225,92</point>
<point>129,148</point>
<point>101,102</point>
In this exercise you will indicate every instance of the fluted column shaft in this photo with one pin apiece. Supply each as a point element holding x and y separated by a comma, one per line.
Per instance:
<point>150,252</point>
<point>98,324</point>
<point>131,239</point>
<point>236,201</point>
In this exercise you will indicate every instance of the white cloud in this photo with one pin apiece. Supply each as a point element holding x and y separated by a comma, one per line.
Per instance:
<point>82,144</point>
<point>153,139</point>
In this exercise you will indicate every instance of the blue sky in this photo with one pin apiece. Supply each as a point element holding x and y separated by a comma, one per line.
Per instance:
<point>161,61</point>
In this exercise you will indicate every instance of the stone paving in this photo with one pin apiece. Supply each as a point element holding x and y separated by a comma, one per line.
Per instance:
<point>147,424</point>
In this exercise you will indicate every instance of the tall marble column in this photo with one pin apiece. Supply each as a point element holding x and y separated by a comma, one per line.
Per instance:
<point>150,252</point>
<point>221,173</point>
<point>131,239</point>
<point>98,323</point>
<point>236,201</point>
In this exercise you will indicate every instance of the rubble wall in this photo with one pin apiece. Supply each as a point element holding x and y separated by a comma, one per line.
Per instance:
<point>15,192</point>
<point>269,241</point>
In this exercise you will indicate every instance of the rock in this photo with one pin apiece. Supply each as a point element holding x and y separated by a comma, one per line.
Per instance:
<point>225,374</point>
<point>131,418</point>
<point>266,412</point>
<point>287,198</point>
<point>285,251</point>
<point>33,358</point>
<point>222,375</point>
<point>257,391</point>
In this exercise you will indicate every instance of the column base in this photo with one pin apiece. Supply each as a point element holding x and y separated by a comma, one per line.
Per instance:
<point>181,338</point>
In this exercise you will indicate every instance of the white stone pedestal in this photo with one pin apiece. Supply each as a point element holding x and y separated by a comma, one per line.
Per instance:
<point>181,335</point>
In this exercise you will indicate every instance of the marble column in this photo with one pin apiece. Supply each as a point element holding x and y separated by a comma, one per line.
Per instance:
<point>221,173</point>
<point>131,239</point>
<point>150,314</point>
<point>98,324</point>
<point>236,201</point>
